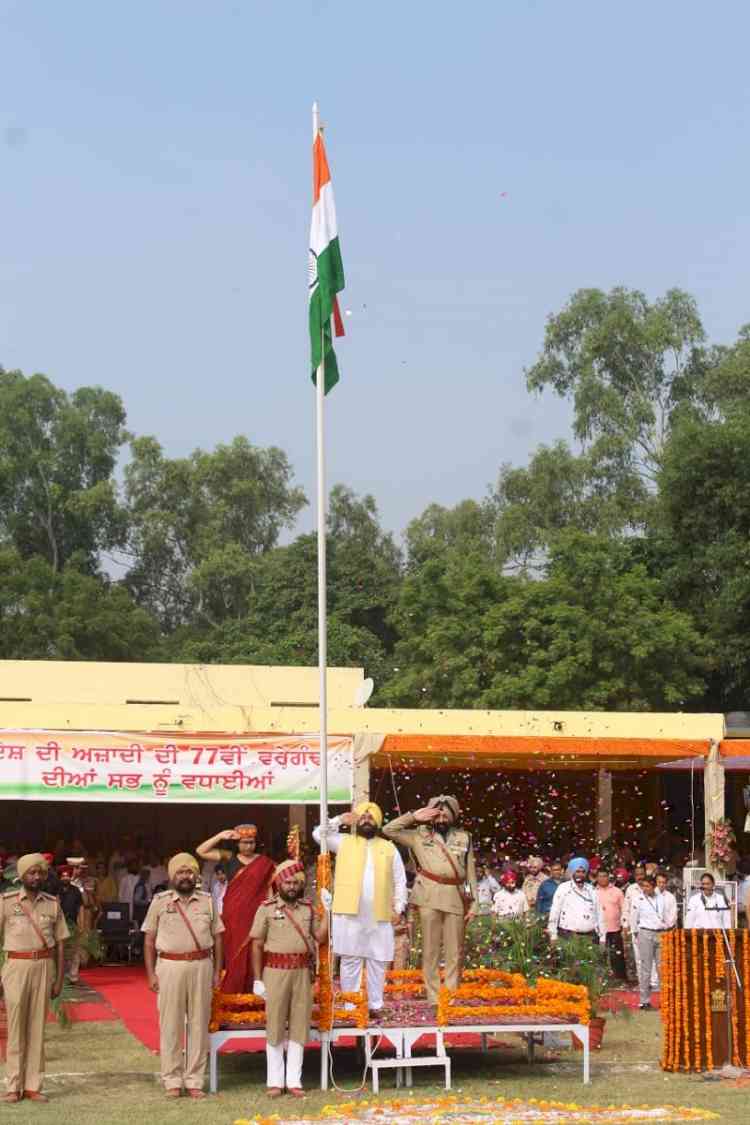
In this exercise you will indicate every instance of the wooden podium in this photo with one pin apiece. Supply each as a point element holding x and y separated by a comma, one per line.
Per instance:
<point>705,1015</point>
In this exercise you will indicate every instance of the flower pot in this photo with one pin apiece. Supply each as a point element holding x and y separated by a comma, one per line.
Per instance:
<point>596,1034</point>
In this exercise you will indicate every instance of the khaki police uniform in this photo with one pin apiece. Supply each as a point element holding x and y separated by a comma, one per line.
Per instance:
<point>440,900</point>
<point>27,981</point>
<point>289,992</point>
<point>185,975</point>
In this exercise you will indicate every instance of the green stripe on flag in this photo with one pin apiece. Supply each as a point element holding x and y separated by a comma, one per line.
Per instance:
<point>330,281</point>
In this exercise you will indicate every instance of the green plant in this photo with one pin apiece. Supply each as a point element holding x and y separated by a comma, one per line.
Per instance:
<point>579,961</point>
<point>88,941</point>
<point>517,946</point>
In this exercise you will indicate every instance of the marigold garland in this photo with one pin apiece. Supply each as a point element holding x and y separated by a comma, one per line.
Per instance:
<point>325,986</point>
<point>666,1006</point>
<point>549,998</point>
<point>720,966</point>
<point>696,1007</point>
<point>252,1009</point>
<point>746,990</point>
<point>691,962</point>
<point>684,1004</point>
<point>707,1000</point>
<point>735,1014</point>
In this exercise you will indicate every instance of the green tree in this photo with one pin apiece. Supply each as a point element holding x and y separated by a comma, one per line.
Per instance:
<point>68,615</point>
<point>704,538</point>
<point>468,527</point>
<point>281,619</point>
<point>558,490</point>
<point>625,364</point>
<point>594,632</point>
<point>57,458</point>
<point>198,526</point>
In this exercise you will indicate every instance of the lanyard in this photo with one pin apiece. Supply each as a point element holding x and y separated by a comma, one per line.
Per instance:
<point>655,901</point>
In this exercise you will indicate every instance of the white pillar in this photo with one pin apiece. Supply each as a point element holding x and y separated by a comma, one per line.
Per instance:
<point>365,745</point>
<point>603,805</point>
<point>713,798</point>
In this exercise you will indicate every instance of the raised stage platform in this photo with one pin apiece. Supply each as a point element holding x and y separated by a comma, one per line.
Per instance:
<point>403,1040</point>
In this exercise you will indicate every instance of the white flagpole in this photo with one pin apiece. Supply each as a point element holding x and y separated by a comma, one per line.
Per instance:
<point>322,601</point>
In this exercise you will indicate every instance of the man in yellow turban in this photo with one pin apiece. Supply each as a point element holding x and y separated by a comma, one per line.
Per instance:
<point>184,931</point>
<point>369,896</point>
<point>33,930</point>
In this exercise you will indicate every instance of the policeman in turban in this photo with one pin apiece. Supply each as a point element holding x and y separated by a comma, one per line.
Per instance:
<point>33,930</point>
<point>444,857</point>
<point>285,935</point>
<point>369,898</point>
<point>183,951</point>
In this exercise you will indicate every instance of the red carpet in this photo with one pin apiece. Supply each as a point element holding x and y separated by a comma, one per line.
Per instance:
<point>125,989</point>
<point>627,998</point>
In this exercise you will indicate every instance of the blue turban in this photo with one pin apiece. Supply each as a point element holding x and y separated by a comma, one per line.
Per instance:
<point>578,864</point>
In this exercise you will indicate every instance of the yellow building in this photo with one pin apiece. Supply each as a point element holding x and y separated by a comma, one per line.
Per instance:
<point>604,767</point>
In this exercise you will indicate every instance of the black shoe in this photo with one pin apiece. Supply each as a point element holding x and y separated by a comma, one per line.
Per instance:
<point>645,1007</point>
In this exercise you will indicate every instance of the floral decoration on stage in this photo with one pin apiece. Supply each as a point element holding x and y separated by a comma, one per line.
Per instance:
<point>486,1111</point>
<point>722,842</point>
<point>485,996</point>
<point>513,1000</point>
<point>696,995</point>
<point>237,1009</point>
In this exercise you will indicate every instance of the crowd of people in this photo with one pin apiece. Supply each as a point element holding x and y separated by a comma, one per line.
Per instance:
<point>625,909</point>
<point>230,919</point>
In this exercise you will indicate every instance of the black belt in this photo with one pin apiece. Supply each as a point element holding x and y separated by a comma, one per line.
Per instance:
<point>578,933</point>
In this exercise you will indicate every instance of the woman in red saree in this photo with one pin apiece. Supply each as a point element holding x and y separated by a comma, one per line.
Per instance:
<point>248,876</point>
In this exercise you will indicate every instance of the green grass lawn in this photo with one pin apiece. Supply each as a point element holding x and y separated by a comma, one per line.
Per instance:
<point>97,1072</point>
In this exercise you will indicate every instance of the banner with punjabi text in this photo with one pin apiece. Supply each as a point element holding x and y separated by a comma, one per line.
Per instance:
<point>49,765</point>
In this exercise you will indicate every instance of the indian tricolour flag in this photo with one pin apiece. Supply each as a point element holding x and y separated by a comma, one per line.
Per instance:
<point>326,273</point>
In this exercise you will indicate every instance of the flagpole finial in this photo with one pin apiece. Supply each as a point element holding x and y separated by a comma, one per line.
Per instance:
<point>315,120</point>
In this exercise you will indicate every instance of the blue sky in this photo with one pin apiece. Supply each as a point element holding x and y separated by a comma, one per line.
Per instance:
<point>155,204</point>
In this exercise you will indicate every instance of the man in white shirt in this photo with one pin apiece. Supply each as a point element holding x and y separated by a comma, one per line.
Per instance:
<point>670,902</point>
<point>158,875</point>
<point>509,902</point>
<point>369,896</point>
<point>575,908</point>
<point>648,921</point>
<point>127,885</point>
<point>487,888</point>
<point>708,909</point>
<point>219,888</point>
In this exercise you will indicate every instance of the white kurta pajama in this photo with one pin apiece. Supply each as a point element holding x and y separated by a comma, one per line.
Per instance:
<point>358,939</point>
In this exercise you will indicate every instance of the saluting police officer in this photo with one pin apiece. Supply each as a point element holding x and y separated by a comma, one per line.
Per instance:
<point>184,929</point>
<point>445,863</point>
<point>284,935</point>
<point>33,930</point>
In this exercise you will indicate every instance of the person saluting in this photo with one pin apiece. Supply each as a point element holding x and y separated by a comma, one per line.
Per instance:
<point>284,938</point>
<point>249,876</point>
<point>445,863</point>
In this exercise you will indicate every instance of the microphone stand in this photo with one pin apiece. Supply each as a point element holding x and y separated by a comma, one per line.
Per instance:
<point>729,961</point>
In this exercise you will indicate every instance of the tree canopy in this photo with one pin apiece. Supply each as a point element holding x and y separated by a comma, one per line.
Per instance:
<point>609,572</point>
